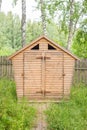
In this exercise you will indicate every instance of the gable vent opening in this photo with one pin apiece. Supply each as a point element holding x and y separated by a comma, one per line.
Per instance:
<point>35,47</point>
<point>51,47</point>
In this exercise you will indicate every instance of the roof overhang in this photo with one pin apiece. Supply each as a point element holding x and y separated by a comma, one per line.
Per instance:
<point>44,37</point>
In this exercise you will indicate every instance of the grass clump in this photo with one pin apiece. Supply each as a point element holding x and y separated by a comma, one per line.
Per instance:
<point>71,115</point>
<point>14,115</point>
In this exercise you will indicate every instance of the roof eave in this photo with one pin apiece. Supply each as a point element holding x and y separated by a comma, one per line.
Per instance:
<point>19,51</point>
<point>57,45</point>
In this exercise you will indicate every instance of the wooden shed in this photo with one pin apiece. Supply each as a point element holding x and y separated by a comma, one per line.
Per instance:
<point>43,70</point>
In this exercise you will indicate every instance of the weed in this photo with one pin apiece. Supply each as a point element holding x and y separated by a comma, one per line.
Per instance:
<point>71,115</point>
<point>14,115</point>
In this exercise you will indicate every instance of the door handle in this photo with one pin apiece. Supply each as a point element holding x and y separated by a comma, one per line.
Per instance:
<point>39,91</point>
<point>46,57</point>
<point>47,92</point>
<point>42,57</point>
<point>39,57</point>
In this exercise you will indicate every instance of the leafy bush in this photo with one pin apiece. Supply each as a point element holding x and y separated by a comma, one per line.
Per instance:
<point>4,51</point>
<point>14,115</point>
<point>70,115</point>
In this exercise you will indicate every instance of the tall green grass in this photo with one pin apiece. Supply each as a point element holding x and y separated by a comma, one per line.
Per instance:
<point>70,115</point>
<point>14,115</point>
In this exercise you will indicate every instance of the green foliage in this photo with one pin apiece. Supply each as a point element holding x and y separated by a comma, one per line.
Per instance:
<point>4,51</point>
<point>61,9</point>
<point>57,17</point>
<point>14,115</point>
<point>10,32</point>
<point>69,15</point>
<point>15,2</point>
<point>79,46</point>
<point>33,30</point>
<point>55,33</point>
<point>70,115</point>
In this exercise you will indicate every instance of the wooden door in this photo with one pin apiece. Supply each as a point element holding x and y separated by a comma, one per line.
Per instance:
<point>53,75</point>
<point>33,75</point>
<point>43,75</point>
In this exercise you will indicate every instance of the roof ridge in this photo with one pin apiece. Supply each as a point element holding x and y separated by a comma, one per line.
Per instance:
<point>34,41</point>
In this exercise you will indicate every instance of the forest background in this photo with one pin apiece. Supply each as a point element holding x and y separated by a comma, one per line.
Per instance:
<point>65,22</point>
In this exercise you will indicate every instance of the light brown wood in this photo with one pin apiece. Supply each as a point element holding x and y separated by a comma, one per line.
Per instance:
<point>43,73</point>
<point>44,46</point>
<point>54,69</point>
<point>43,39</point>
<point>32,79</point>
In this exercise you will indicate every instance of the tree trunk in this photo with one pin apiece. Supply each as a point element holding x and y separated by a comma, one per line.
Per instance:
<point>0,4</point>
<point>70,36</point>
<point>23,22</point>
<point>43,16</point>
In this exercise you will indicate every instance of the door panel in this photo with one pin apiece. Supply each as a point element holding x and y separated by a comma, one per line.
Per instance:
<point>54,74</point>
<point>32,74</point>
<point>43,74</point>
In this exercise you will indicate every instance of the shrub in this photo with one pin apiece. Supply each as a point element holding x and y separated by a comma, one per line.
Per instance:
<point>14,115</point>
<point>71,115</point>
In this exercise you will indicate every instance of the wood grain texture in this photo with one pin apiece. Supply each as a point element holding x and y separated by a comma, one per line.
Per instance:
<point>43,73</point>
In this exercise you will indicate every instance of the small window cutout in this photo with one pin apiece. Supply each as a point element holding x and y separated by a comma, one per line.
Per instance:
<point>35,47</point>
<point>51,47</point>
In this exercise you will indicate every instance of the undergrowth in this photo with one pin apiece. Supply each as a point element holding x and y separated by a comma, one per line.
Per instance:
<point>14,115</point>
<point>70,115</point>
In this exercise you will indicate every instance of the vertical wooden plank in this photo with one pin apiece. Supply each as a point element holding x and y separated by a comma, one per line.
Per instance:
<point>6,66</point>
<point>78,71</point>
<point>43,74</point>
<point>11,70</point>
<point>9,67</point>
<point>7,61</point>
<point>3,67</point>
<point>63,74</point>
<point>81,72</point>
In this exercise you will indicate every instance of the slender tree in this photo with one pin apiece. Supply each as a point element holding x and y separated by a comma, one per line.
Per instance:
<point>23,22</point>
<point>0,4</point>
<point>41,6</point>
<point>69,14</point>
<point>70,35</point>
<point>43,16</point>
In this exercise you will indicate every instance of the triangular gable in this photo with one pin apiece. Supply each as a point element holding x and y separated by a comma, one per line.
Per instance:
<point>44,37</point>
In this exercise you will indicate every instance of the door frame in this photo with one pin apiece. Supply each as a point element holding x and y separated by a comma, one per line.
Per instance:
<point>43,87</point>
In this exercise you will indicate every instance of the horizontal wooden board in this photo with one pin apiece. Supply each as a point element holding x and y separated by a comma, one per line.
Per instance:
<point>37,89</point>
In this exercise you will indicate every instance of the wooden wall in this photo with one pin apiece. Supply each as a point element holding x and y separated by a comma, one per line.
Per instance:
<point>80,70</point>
<point>69,64</point>
<point>19,74</point>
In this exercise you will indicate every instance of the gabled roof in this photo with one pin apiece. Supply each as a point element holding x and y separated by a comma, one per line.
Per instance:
<point>44,37</point>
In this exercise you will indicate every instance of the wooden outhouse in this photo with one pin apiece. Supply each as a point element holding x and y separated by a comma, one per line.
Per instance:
<point>43,70</point>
